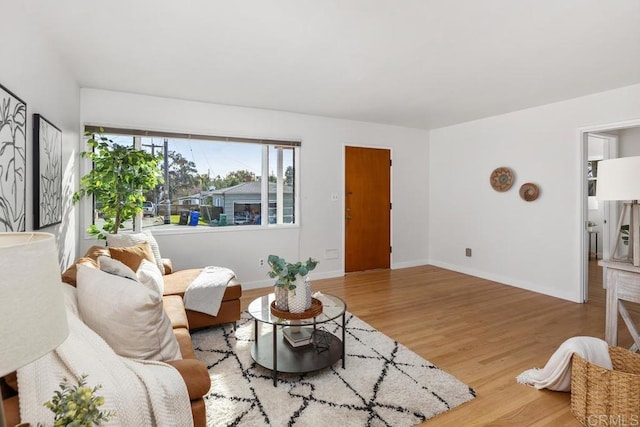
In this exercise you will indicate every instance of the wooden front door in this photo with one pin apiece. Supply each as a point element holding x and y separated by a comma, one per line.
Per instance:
<point>367,208</point>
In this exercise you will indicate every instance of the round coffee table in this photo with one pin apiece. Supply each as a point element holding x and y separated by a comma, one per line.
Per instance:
<point>272,351</point>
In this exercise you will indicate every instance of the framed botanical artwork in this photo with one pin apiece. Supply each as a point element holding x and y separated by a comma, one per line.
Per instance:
<point>47,169</point>
<point>13,161</point>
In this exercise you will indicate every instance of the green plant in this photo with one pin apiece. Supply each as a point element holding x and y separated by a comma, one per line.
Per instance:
<point>286,272</point>
<point>591,224</point>
<point>119,178</point>
<point>77,405</point>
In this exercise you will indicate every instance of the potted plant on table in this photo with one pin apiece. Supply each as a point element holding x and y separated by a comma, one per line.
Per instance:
<point>289,278</point>
<point>118,180</point>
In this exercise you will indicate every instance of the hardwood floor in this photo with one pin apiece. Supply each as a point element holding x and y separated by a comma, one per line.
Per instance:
<point>482,332</point>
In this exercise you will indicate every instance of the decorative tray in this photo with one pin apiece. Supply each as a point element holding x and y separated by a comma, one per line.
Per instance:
<point>315,310</point>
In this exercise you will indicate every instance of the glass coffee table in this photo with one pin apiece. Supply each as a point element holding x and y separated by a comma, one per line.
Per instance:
<point>272,351</point>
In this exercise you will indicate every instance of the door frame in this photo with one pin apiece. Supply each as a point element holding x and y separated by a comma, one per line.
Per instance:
<point>583,208</point>
<point>344,201</point>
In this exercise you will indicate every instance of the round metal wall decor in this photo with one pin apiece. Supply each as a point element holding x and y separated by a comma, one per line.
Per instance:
<point>501,179</point>
<point>529,192</point>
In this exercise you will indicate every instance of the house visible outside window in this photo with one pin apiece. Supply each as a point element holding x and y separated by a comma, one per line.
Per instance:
<point>220,178</point>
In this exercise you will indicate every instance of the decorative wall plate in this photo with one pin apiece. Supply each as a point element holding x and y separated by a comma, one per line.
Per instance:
<point>529,192</point>
<point>501,179</point>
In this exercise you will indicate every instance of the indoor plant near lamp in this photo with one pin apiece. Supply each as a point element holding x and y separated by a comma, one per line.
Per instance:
<point>118,180</point>
<point>591,226</point>
<point>291,277</point>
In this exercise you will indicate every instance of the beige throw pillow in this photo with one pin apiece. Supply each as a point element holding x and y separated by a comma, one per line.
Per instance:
<point>122,240</point>
<point>132,256</point>
<point>127,315</point>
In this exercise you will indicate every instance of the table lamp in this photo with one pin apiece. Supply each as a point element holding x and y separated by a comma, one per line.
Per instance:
<point>619,179</point>
<point>32,319</point>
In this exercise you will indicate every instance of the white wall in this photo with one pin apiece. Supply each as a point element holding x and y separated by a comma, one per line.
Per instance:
<point>31,69</point>
<point>629,140</point>
<point>322,173</point>
<point>532,245</point>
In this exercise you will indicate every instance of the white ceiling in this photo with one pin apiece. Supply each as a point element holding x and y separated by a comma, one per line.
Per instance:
<point>415,63</point>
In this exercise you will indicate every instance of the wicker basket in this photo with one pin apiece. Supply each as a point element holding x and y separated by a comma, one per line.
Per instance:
<point>601,396</point>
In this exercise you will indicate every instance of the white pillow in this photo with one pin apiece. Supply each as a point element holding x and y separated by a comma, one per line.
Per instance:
<point>127,315</point>
<point>149,275</point>
<point>113,266</point>
<point>123,240</point>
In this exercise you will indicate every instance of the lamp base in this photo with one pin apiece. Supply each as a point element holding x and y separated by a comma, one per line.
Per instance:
<point>633,256</point>
<point>634,233</point>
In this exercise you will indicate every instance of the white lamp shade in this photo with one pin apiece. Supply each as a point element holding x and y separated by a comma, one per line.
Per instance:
<point>619,179</point>
<point>592,203</point>
<point>32,316</point>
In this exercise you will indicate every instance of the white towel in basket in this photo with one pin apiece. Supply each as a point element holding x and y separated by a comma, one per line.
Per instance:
<point>556,375</point>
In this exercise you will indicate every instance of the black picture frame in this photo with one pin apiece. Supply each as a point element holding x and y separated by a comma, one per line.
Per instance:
<point>47,173</point>
<point>13,161</point>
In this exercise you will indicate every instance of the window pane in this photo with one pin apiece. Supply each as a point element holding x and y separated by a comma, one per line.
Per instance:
<point>210,177</point>
<point>97,219</point>
<point>281,185</point>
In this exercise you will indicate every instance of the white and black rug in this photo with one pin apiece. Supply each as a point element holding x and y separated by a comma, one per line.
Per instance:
<point>384,383</point>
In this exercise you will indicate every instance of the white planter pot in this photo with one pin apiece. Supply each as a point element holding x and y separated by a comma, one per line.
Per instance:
<point>298,297</point>
<point>282,298</point>
<point>307,289</point>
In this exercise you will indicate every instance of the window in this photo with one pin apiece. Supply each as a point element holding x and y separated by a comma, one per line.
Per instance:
<point>229,181</point>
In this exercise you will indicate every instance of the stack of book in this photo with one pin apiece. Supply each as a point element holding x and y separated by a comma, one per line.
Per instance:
<point>297,336</point>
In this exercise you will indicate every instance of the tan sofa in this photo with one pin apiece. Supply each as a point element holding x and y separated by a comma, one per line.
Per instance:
<point>193,372</point>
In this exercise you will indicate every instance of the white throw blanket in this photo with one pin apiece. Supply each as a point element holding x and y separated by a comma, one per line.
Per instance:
<point>142,393</point>
<point>556,374</point>
<point>205,293</point>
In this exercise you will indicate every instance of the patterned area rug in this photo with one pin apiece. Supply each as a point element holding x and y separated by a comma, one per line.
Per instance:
<point>384,383</point>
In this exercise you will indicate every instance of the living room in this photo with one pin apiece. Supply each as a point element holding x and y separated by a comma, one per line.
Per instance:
<point>442,200</point>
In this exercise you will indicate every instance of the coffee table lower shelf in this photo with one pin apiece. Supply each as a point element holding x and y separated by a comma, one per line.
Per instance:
<point>295,360</point>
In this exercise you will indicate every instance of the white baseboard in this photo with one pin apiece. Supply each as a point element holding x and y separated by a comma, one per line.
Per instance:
<point>522,284</point>
<point>408,264</point>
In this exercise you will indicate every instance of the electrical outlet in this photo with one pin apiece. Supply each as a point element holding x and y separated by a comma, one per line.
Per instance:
<point>467,252</point>
<point>261,262</point>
